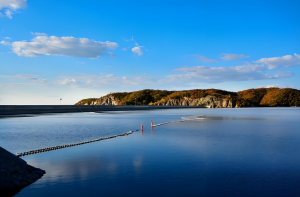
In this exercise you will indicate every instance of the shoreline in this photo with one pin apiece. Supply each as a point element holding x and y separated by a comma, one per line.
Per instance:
<point>41,109</point>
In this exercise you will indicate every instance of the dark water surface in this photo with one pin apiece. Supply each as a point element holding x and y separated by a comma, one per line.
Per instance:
<point>229,152</point>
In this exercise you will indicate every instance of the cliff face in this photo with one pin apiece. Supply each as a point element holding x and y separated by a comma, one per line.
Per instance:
<point>214,102</point>
<point>208,101</point>
<point>106,100</point>
<point>181,102</point>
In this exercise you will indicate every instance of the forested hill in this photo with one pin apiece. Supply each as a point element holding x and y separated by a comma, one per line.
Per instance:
<point>252,97</point>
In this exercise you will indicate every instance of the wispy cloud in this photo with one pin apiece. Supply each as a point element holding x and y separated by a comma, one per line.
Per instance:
<point>38,34</point>
<point>205,59</point>
<point>32,78</point>
<point>276,86</point>
<point>137,49</point>
<point>268,86</point>
<point>9,6</point>
<point>225,57</point>
<point>20,76</point>
<point>63,46</point>
<point>110,54</point>
<point>10,84</point>
<point>5,43</point>
<point>141,73</point>
<point>189,76</point>
<point>205,74</point>
<point>232,56</point>
<point>84,80</point>
<point>275,62</point>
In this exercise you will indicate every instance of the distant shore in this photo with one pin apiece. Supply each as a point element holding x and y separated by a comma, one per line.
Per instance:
<point>39,109</point>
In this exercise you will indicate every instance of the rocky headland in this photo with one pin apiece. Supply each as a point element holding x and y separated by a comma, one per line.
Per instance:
<point>208,101</point>
<point>210,98</point>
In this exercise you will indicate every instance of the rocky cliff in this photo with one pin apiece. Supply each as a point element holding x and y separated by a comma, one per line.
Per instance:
<point>208,101</point>
<point>15,172</point>
<point>105,100</point>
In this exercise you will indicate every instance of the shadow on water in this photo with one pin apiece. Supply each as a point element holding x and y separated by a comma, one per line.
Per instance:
<point>225,118</point>
<point>12,192</point>
<point>15,116</point>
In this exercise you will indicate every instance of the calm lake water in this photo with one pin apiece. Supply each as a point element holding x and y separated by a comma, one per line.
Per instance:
<point>231,152</point>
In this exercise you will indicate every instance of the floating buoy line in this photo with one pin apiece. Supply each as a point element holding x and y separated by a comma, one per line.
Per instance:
<point>90,141</point>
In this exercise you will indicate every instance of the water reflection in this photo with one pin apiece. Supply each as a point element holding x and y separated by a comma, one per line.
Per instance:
<point>249,157</point>
<point>67,170</point>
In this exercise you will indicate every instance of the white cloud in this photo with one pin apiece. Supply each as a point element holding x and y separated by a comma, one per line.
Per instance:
<point>124,49</point>
<point>66,81</point>
<point>11,5</point>
<point>248,72</point>
<point>276,86</point>
<point>268,86</point>
<point>286,61</point>
<point>232,56</point>
<point>137,50</point>
<point>249,68</point>
<point>7,38</point>
<point>38,34</point>
<point>111,54</point>
<point>5,43</point>
<point>64,46</point>
<point>8,13</point>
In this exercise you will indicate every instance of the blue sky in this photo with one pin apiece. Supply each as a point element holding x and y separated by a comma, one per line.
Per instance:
<point>75,49</point>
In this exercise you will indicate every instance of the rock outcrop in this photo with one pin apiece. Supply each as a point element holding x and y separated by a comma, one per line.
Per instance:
<point>181,102</point>
<point>15,172</point>
<point>208,101</point>
<point>214,102</point>
<point>106,100</point>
